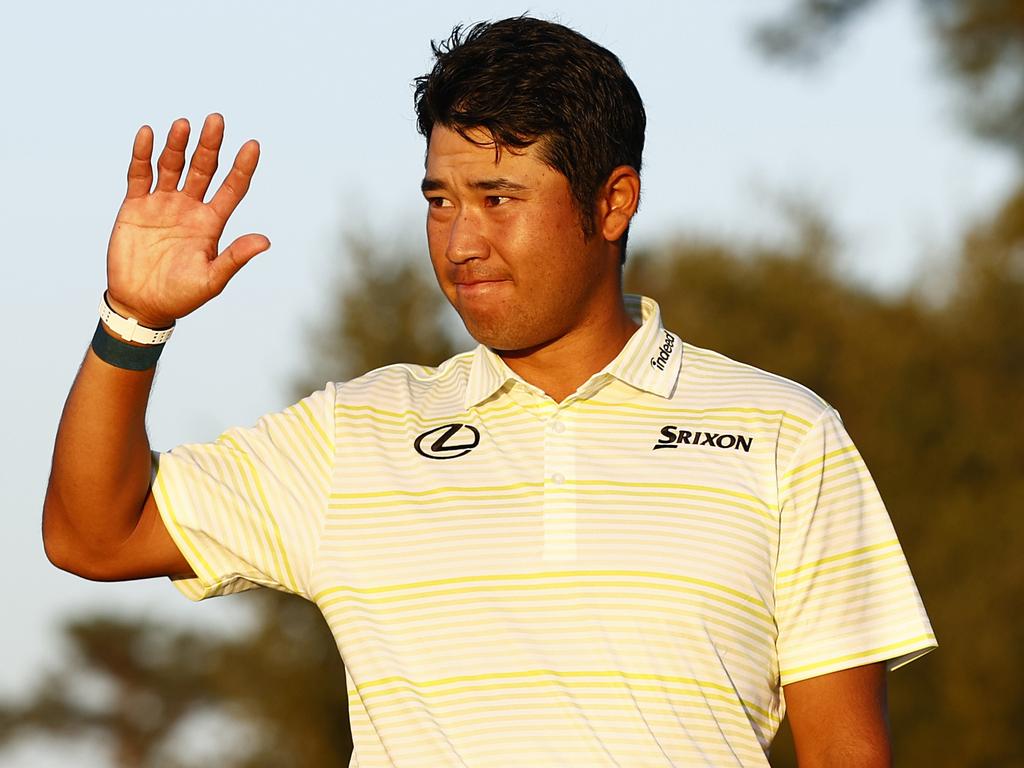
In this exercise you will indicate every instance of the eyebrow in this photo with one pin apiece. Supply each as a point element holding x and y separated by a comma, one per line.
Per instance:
<point>499,184</point>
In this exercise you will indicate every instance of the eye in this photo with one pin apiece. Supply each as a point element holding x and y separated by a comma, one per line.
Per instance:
<point>496,200</point>
<point>439,202</point>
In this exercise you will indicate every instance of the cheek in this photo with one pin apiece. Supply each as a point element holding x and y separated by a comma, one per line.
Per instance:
<point>560,221</point>
<point>536,229</point>
<point>437,240</point>
<point>552,240</point>
<point>437,243</point>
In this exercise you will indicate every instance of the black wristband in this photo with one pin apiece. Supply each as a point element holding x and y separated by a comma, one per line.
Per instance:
<point>121,354</point>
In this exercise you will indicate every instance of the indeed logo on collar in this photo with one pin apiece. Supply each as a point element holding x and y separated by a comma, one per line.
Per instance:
<point>664,352</point>
<point>673,437</point>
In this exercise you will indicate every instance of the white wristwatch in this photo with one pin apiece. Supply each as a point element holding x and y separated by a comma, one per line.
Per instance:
<point>128,328</point>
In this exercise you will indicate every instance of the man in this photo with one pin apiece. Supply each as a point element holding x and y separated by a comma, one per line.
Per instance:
<point>585,542</point>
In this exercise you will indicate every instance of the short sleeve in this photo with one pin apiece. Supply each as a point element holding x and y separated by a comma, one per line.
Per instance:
<point>844,594</point>
<point>246,509</point>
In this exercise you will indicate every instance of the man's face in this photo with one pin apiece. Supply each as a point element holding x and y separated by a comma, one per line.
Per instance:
<point>507,246</point>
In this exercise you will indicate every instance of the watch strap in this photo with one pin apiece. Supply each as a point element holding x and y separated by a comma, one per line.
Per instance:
<point>128,328</point>
<point>121,354</point>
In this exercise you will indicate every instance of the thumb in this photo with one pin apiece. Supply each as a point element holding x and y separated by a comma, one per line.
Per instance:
<point>234,257</point>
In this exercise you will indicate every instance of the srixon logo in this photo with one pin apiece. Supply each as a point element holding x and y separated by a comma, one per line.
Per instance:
<point>673,437</point>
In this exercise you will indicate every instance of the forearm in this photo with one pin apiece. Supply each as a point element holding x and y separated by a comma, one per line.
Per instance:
<point>101,464</point>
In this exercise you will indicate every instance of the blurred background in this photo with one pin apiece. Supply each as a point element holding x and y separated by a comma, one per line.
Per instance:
<point>833,191</point>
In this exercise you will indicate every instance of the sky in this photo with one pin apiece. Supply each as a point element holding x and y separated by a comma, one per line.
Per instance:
<point>871,137</point>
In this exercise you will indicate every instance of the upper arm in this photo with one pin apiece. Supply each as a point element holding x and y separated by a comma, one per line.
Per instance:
<point>148,550</point>
<point>245,510</point>
<point>840,719</point>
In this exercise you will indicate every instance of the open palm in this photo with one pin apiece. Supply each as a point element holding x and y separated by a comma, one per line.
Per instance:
<point>163,260</point>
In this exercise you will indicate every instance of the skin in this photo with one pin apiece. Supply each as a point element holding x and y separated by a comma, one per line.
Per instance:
<point>840,720</point>
<point>509,253</point>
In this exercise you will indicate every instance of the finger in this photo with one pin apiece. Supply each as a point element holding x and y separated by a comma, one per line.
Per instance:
<point>236,184</point>
<point>140,169</point>
<point>172,159</point>
<point>204,159</point>
<point>234,257</point>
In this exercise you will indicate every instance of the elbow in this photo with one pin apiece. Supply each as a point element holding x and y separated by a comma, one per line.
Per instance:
<point>65,549</point>
<point>58,542</point>
<point>54,540</point>
<point>58,551</point>
<point>75,560</point>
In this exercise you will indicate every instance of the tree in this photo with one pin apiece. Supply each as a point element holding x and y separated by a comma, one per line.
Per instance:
<point>956,398</point>
<point>930,392</point>
<point>127,683</point>
<point>982,42</point>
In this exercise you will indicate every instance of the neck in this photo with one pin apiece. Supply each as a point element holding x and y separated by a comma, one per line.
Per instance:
<point>560,366</point>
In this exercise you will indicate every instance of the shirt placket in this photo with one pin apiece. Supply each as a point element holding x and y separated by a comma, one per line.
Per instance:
<point>559,486</point>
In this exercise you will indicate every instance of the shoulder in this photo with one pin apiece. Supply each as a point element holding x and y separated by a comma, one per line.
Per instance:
<point>709,376</point>
<point>406,383</point>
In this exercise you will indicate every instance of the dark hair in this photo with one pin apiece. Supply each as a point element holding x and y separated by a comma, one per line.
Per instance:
<point>526,80</point>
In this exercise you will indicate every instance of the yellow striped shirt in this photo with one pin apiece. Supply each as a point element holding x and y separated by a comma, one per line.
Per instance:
<point>623,578</point>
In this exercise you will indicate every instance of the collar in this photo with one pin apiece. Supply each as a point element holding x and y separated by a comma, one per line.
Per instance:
<point>649,361</point>
<point>653,355</point>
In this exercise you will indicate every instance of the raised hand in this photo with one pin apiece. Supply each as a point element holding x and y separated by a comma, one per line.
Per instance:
<point>163,260</point>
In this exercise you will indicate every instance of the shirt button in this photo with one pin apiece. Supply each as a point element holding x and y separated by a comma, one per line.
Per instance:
<point>558,427</point>
<point>558,478</point>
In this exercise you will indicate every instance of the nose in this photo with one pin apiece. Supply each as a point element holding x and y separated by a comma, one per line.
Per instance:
<point>466,240</point>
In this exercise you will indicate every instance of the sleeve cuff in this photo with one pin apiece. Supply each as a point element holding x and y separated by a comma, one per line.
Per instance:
<point>205,583</point>
<point>895,655</point>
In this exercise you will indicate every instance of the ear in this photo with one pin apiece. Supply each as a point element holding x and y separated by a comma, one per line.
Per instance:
<point>617,202</point>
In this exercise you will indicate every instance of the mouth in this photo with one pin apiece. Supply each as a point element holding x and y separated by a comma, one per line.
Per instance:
<point>479,286</point>
<point>471,280</point>
<point>475,283</point>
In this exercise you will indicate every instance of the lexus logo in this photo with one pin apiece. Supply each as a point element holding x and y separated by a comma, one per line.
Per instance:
<point>448,442</point>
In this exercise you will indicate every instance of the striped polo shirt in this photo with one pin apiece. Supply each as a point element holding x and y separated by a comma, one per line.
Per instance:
<point>625,578</point>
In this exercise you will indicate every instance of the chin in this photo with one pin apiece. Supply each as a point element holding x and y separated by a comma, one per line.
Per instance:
<point>492,337</point>
<point>495,334</point>
<point>505,327</point>
<point>505,338</point>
